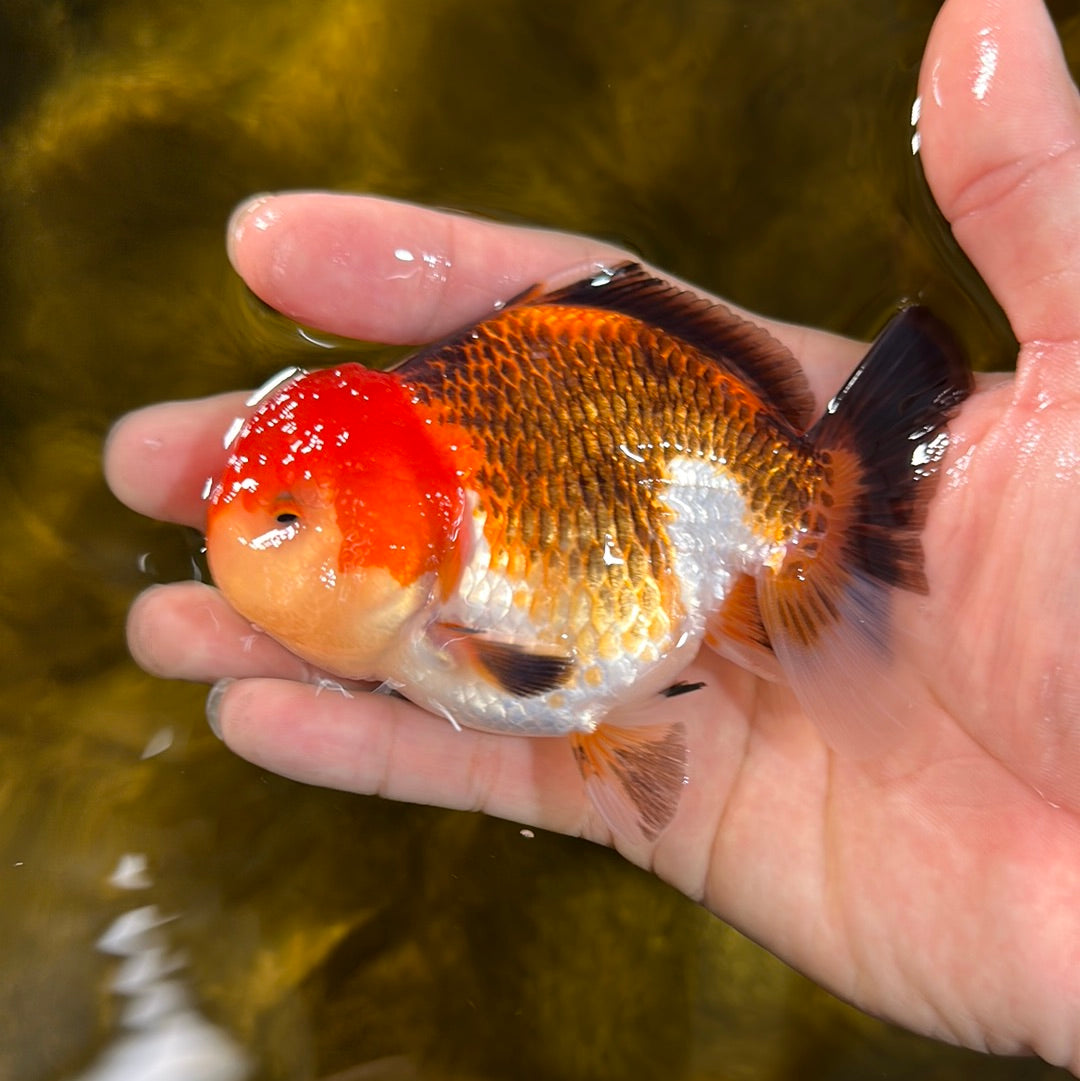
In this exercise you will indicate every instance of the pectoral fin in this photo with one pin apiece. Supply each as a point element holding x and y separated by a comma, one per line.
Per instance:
<point>634,776</point>
<point>518,669</point>
<point>681,688</point>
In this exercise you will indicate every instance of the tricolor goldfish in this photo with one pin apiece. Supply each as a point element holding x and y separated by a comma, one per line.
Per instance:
<point>538,522</point>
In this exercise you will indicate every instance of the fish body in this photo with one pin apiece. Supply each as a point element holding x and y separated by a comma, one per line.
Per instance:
<point>536,523</point>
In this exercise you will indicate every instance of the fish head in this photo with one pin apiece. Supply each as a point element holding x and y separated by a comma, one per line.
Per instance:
<point>335,517</point>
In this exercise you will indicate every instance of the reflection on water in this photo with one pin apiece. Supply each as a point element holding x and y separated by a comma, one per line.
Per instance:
<point>163,1035</point>
<point>749,147</point>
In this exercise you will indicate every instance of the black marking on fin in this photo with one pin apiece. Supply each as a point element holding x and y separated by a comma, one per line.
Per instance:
<point>681,687</point>
<point>518,670</point>
<point>745,349</point>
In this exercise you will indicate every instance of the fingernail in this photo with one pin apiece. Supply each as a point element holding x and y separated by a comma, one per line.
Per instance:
<point>251,212</point>
<point>213,705</point>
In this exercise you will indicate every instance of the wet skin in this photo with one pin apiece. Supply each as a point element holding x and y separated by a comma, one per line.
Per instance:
<point>938,884</point>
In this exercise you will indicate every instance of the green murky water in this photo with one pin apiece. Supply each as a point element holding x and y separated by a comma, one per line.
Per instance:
<point>757,147</point>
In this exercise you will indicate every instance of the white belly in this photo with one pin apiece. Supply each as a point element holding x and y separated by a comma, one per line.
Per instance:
<point>713,543</point>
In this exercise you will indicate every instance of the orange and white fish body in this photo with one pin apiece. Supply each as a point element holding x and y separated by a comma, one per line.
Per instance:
<point>537,523</point>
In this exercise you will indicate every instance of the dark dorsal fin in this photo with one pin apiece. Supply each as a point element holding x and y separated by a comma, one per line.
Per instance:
<point>741,347</point>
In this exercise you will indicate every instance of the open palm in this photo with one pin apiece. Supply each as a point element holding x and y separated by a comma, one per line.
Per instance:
<point>937,884</point>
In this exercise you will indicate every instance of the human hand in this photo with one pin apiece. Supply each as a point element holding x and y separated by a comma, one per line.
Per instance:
<point>938,884</point>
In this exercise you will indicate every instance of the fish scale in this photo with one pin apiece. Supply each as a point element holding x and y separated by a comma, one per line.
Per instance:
<point>564,388</point>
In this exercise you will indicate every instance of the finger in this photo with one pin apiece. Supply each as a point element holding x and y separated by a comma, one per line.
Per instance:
<point>999,129</point>
<point>379,745</point>
<point>385,271</point>
<point>189,631</point>
<point>158,459</point>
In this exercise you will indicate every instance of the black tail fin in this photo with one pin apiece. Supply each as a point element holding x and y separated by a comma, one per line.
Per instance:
<point>826,609</point>
<point>892,414</point>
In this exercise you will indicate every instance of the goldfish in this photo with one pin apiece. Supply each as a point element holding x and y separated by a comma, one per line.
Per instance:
<point>533,526</point>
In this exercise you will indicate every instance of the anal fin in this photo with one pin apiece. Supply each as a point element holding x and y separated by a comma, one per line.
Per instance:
<point>737,631</point>
<point>634,775</point>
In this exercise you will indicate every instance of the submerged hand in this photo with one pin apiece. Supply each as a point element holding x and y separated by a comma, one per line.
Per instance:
<point>938,884</point>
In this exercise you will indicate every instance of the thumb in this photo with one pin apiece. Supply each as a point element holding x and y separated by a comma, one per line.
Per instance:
<point>999,132</point>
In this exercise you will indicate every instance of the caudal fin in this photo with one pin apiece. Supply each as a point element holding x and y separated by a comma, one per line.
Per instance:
<point>827,608</point>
